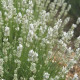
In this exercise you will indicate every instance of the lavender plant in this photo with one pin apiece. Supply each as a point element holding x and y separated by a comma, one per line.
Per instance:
<point>28,43</point>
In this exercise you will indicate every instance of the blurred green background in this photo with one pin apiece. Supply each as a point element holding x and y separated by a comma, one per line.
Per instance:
<point>75,10</point>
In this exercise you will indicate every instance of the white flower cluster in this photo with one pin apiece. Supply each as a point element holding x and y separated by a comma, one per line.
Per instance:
<point>15,77</point>
<point>31,78</point>
<point>46,76</point>
<point>7,31</point>
<point>64,45</point>
<point>31,33</point>
<point>32,56</point>
<point>9,9</point>
<point>33,67</point>
<point>75,77</point>
<point>77,42</point>
<point>68,35</point>
<point>78,20</point>
<point>1,67</point>
<point>19,50</point>
<point>19,18</point>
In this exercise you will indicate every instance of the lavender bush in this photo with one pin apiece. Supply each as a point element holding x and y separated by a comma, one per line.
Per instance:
<point>29,42</point>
